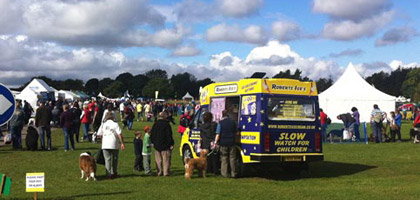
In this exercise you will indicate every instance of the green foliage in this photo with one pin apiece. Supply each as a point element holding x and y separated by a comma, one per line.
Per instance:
<point>92,86</point>
<point>390,83</point>
<point>410,87</point>
<point>158,84</point>
<point>287,74</point>
<point>116,89</point>
<point>323,84</point>
<point>156,73</point>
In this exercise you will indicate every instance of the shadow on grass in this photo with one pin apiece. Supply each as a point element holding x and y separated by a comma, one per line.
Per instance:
<point>326,169</point>
<point>93,195</point>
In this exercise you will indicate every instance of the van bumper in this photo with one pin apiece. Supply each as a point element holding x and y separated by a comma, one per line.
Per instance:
<point>309,157</point>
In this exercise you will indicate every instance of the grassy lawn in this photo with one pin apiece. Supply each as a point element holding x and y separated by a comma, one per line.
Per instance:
<point>350,171</point>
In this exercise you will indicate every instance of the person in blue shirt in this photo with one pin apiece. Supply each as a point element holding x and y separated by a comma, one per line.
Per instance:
<point>396,125</point>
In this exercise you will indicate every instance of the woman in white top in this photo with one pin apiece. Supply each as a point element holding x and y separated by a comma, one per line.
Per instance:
<point>111,133</point>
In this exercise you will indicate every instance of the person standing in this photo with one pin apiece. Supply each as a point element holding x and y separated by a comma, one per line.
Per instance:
<point>28,110</point>
<point>42,121</point>
<point>77,112</point>
<point>225,133</point>
<point>110,132</point>
<point>16,125</point>
<point>138,148</point>
<point>109,109</point>
<point>208,135</point>
<point>324,125</point>
<point>139,111</point>
<point>395,124</point>
<point>66,122</point>
<point>356,125</point>
<point>147,151</point>
<point>376,118</point>
<point>163,142</point>
<point>86,119</point>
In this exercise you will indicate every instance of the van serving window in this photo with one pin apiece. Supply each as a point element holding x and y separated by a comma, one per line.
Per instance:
<point>288,109</point>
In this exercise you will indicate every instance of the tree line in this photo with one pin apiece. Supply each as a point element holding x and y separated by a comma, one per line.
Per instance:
<point>402,81</point>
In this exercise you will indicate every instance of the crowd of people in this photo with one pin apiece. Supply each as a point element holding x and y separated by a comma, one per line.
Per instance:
<point>380,123</point>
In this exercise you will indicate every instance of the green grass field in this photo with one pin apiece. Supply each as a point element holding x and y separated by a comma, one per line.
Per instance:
<point>350,171</point>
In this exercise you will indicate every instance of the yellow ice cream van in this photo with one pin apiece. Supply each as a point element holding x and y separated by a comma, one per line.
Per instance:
<point>278,121</point>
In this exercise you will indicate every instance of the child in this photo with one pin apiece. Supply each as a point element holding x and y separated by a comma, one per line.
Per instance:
<point>147,151</point>
<point>138,146</point>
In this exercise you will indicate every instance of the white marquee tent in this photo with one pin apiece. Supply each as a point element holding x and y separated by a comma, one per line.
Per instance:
<point>188,97</point>
<point>351,90</point>
<point>67,95</point>
<point>33,91</point>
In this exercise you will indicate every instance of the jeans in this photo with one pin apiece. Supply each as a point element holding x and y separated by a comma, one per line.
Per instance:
<point>129,124</point>
<point>163,162</point>
<point>68,132</point>
<point>86,132</point>
<point>42,131</point>
<point>138,163</point>
<point>111,161</point>
<point>76,131</point>
<point>324,132</point>
<point>377,132</point>
<point>146,164</point>
<point>16,132</point>
<point>356,131</point>
<point>228,157</point>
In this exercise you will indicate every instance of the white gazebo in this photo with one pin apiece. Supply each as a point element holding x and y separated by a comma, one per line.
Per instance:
<point>351,90</point>
<point>187,97</point>
<point>35,90</point>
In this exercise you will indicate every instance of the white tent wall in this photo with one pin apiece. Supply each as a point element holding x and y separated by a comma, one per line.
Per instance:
<point>333,108</point>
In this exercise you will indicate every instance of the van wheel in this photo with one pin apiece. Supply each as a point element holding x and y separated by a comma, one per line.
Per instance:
<point>241,168</point>
<point>186,153</point>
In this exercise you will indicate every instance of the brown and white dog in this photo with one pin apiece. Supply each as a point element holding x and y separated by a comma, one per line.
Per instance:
<point>196,163</point>
<point>87,166</point>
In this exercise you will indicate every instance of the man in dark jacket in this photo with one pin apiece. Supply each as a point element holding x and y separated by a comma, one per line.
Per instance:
<point>16,124</point>
<point>208,135</point>
<point>163,143</point>
<point>42,121</point>
<point>225,133</point>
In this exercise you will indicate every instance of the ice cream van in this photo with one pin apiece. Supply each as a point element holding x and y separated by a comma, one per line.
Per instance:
<point>278,121</point>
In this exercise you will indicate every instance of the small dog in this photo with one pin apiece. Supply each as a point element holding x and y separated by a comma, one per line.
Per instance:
<point>87,166</point>
<point>32,138</point>
<point>196,163</point>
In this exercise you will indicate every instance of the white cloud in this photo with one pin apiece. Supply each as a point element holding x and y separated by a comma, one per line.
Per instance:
<point>395,64</point>
<point>397,35</point>
<point>239,8</point>
<point>286,30</point>
<point>109,23</point>
<point>186,51</point>
<point>354,10</point>
<point>222,32</point>
<point>350,30</point>
<point>347,52</point>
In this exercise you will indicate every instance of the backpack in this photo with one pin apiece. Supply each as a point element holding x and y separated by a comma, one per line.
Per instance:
<point>328,121</point>
<point>378,117</point>
<point>184,121</point>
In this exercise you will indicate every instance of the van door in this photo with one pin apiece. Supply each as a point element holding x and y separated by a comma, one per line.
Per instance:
<point>195,129</point>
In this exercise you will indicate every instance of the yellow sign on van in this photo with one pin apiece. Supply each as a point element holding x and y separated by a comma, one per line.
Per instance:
<point>250,137</point>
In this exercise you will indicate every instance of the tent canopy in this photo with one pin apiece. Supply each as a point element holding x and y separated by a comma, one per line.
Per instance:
<point>351,90</point>
<point>187,97</point>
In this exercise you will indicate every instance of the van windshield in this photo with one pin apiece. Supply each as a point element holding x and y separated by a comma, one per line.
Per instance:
<point>290,109</point>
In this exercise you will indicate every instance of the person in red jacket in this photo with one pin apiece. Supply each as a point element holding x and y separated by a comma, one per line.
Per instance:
<point>416,126</point>
<point>324,125</point>
<point>86,120</point>
<point>184,120</point>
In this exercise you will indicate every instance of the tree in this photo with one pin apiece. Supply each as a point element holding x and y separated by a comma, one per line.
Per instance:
<point>323,84</point>
<point>156,73</point>
<point>183,83</point>
<point>114,89</point>
<point>287,74</point>
<point>92,86</point>
<point>137,83</point>
<point>104,83</point>
<point>410,87</point>
<point>158,84</point>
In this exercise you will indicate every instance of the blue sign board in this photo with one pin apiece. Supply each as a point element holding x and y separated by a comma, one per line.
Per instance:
<point>7,104</point>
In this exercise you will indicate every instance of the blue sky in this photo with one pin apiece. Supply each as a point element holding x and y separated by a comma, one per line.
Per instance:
<point>220,39</point>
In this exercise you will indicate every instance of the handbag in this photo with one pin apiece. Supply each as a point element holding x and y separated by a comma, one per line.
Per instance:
<point>8,138</point>
<point>346,135</point>
<point>100,159</point>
